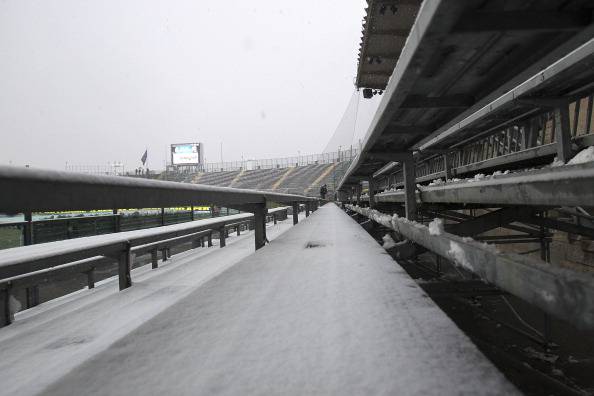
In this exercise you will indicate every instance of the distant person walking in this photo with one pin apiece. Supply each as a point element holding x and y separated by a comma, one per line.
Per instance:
<point>323,191</point>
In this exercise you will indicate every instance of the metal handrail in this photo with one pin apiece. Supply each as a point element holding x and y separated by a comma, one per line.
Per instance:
<point>35,190</point>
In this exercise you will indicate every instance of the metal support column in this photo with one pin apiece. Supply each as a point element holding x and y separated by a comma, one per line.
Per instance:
<point>260,225</point>
<point>295,213</point>
<point>410,199</point>
<point>563,134</point>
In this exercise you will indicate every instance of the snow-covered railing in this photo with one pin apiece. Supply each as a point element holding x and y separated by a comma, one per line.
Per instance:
<point>29,266</point>
<point>558,291</point>
<point>35,190</point>
<point>567,185</point>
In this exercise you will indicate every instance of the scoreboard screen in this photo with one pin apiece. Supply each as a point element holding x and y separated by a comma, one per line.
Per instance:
<point>186,154</point>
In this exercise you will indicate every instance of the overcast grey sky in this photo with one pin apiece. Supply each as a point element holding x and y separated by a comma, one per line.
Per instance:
<point>95,81</point>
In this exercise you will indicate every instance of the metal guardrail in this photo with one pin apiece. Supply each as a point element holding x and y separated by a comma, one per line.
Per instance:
<point>563,293</point>
<point>33,190</point>
<point>30,266</point>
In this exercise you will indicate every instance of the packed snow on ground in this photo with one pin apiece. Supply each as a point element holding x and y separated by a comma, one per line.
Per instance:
<point>436,227</point>
<point>586,155</point>
<point>458,254</point>
<point>388,242</point>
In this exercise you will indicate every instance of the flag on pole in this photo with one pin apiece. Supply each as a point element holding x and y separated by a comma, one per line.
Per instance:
<point>143,158</point>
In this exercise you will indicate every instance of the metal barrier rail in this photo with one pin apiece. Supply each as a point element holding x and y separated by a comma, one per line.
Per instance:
<point>33,190</point>
<point>29,266</point>
<point>561,292</point>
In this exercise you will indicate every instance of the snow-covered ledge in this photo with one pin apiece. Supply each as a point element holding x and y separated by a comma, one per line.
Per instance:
<point>561,292</point>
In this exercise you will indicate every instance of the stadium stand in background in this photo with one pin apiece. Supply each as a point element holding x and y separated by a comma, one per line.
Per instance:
<point>295,175</point>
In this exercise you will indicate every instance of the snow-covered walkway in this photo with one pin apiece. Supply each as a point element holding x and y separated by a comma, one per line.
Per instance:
<point>321,310</point>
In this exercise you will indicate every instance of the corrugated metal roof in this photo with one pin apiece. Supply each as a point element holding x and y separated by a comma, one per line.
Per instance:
<point>385,29</point>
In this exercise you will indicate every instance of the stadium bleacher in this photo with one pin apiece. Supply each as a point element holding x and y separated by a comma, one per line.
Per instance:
<point>306,179</point>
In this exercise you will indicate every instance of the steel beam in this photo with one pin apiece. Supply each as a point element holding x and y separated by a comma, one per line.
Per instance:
<point>522,20</point>
<point>558,291</point>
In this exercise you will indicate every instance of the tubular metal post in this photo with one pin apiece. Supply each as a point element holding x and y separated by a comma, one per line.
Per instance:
<point>162,216</point>
<point>192,212</point>
<point>124,265</point>
<point>410,202</point>
<point>238,229</point>
<point>164,254</point>
<point>307,209</point>
<point>295,213</point>
<point>260,225</point>
<point>274,218</point>
<point>210,239</point>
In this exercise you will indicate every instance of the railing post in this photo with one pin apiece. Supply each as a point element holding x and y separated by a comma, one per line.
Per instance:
<point>192,212</point>
<point>32,294</point>
<point>274,218</point>
<point>124,266</point>
<point>164,256</point>
<point>410,198</point>
<point>28,229</point>
<point>154,259</point>
<point>222,235</point>
<point>260,225</point>
<point>117,225</point>
<point>238,229</point>
<point>162,216</point>
<point>295,213</point>
<point>563,133</point>
<point>91,278</point>
<point>307,209</point>
<point>6,316</point>
<point>210,239</point>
